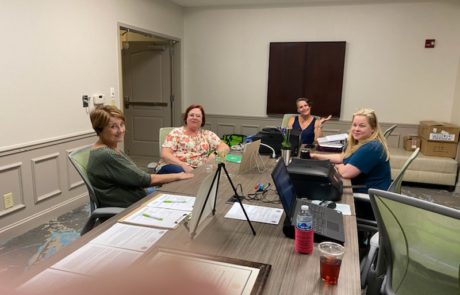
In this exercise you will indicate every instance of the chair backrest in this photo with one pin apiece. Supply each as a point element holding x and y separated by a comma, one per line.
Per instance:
<point>420,244</point>
<point>79,159</point>
<point>387,132</point>
<point>395,186</point>
<point>162,135</point>
<point>286,117</point>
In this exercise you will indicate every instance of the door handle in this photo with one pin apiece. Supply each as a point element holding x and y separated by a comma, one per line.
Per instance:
<point>129,102</point>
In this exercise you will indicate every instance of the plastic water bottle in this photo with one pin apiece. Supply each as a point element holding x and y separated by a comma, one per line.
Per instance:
<point>304,231</point>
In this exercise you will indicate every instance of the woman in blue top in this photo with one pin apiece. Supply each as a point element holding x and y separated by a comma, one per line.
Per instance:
<point>305,121</point>
<point>366,160</point>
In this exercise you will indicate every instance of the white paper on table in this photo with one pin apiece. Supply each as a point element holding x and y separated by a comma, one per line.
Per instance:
<point>255,213</point>
<point>339,207</point>
<point>176,202</point>
<point>157,217</point>
<point>137,238</point>
<point>92,258</point>
<point>49,280</point>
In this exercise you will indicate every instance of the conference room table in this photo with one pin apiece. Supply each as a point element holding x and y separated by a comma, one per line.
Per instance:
<point>290,272</point>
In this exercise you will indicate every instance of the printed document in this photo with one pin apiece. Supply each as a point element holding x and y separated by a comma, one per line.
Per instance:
<point>255,213</point>
<point>92,258</point>
<point>176,202</point>
<point>156,217</point>
<point>131,237</point>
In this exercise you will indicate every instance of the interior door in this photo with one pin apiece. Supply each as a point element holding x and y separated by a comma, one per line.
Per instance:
<point>147,94</point>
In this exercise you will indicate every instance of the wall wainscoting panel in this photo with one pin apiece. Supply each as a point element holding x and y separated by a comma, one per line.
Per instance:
<point>12,188</point>
<point>46,177</point>
<point>223,124</point>
<point>41,182</point>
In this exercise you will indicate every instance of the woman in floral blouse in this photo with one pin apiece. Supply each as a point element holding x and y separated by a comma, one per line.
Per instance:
<point>190,146</point>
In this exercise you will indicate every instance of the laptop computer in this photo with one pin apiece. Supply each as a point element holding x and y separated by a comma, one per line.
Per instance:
<point>327,222</point>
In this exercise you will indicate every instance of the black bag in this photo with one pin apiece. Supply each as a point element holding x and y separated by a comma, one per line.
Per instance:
<point>271,137</point>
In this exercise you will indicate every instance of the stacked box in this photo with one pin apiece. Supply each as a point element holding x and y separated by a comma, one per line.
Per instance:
<point>411,142</point>
<point>438,138</point>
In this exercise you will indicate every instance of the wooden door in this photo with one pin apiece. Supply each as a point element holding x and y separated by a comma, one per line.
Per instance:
<point>147,95</point>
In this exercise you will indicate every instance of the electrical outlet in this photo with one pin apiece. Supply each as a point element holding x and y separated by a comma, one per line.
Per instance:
<point>8,200</point>
<point>85,99</point>
<point>112,92</point>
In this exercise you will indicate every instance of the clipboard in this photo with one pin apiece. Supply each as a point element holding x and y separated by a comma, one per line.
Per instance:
<point>246,277</point>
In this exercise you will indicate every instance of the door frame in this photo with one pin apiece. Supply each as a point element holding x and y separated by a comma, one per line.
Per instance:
<point>176,70</point>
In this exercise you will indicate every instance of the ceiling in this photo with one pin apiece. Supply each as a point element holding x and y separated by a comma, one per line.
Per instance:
<point>209,3</point>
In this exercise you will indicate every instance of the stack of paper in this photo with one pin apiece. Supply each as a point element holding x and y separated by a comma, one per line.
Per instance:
<point>165,211</point>
<point>332,142</point>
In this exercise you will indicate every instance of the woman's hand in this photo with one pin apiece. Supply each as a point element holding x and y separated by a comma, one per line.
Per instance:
<point>324,119</point>
<point>187,168</point>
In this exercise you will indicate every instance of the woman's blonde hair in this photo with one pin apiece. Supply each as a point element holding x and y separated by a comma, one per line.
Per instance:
<point>353,145</point>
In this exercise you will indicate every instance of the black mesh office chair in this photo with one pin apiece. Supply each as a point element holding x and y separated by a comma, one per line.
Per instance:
<point>79,159</point>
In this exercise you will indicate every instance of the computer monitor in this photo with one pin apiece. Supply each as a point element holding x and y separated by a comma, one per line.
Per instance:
<point>284,186</point>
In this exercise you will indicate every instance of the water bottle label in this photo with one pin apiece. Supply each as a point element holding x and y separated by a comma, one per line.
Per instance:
<point>304,226</point>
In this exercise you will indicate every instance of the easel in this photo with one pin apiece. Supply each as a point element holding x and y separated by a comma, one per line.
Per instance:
<point>221,166</point>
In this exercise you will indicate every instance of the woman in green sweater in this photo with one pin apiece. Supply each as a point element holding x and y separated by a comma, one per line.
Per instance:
<point>116,180</point>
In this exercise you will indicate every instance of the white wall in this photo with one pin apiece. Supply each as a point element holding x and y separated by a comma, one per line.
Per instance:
<point>53,51</point>
<point>456,105</point>
<point>387,67</point>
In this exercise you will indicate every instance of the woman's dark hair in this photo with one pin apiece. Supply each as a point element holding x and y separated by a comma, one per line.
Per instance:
<point>307,100</point>
<point>195,106</point>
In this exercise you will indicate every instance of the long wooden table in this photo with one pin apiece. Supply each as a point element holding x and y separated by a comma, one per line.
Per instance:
<point>291,273</point>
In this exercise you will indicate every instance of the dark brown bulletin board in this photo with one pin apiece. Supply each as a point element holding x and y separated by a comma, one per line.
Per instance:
<point>306,69</point>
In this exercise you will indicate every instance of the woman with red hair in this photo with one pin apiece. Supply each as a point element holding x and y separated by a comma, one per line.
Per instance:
<point>190,146</point>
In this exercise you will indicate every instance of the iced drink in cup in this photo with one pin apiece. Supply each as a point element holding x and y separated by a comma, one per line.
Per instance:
<point>331,255</point>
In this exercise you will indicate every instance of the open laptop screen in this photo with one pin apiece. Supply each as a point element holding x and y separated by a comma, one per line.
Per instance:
<point>284,186</point>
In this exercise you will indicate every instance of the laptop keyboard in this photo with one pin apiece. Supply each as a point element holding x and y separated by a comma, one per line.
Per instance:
<point>319,223</point>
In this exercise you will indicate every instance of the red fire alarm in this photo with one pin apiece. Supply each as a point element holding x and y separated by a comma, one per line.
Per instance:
<point>429,43</point>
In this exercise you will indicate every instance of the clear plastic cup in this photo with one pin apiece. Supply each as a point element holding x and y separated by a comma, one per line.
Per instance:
<point>330,259</point>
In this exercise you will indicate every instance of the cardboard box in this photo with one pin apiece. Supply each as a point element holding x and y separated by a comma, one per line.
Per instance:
<point>438,131</point>
<point>411,142</point>
<point>439,149</point>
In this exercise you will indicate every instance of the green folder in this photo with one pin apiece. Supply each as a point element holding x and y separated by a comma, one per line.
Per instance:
<point>233,158</point>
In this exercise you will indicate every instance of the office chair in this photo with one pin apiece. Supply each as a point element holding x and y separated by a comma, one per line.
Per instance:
<point>419,245</point>
<point>286,117</point>
<point>388,132</point>
<point>163,132</point>
<point>368,270</point>
<point>79,159</point>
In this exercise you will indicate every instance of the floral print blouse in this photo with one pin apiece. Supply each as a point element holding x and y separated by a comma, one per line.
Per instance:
<point>193,150</point>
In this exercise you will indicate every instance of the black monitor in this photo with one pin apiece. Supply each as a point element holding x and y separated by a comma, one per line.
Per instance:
<point>284,186</point>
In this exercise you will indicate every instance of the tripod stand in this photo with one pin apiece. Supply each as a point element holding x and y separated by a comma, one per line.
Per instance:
<point>216,177</point>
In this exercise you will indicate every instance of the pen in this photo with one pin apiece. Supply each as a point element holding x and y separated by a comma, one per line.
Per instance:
<point>153,217</point>
<point>170,201</point>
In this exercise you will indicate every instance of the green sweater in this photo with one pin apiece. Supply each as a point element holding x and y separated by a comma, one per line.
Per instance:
<point>116,180</point>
